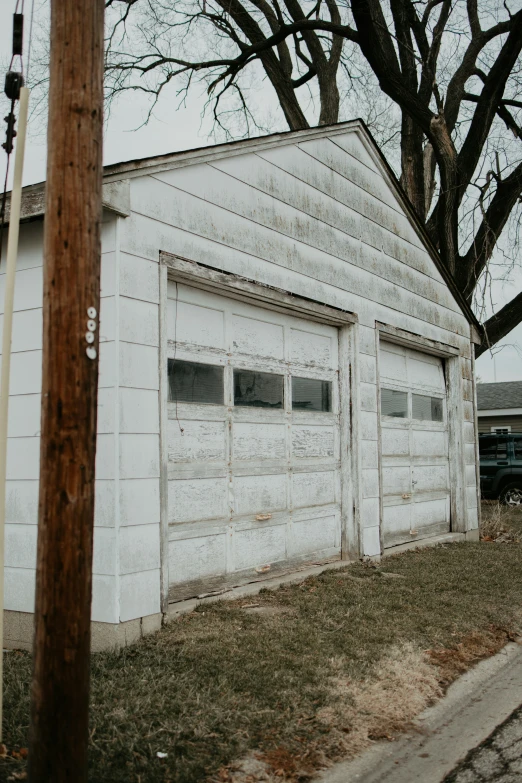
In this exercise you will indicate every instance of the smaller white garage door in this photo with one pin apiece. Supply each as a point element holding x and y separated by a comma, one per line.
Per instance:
<point>253,441</point>
<point>414,444</point>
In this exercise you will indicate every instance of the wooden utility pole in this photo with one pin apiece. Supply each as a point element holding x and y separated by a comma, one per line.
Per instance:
<point>71,304</point>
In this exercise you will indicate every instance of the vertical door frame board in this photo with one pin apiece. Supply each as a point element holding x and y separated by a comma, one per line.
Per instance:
<point>163,416</point>
<point>476,438</point>
<point>455,414</point>
<point>455,408</point>
<point>350,445</point>
<point>379,435</point>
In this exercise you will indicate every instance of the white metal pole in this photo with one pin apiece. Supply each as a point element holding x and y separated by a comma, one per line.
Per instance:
<point>12,252</point>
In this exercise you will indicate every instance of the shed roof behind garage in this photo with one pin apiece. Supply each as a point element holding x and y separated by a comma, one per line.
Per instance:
<point>499,396</point>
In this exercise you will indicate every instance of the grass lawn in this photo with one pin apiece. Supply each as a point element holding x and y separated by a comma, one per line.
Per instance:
<point>274,686</point>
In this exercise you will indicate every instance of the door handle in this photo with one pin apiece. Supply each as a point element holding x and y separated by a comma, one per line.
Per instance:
<point>503,463</point>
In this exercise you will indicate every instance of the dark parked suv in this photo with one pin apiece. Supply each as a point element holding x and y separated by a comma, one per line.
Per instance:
<point>501,467</point>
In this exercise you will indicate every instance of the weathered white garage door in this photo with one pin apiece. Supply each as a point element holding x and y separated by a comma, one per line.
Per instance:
<point>414,443</point>
<point>253,441</point>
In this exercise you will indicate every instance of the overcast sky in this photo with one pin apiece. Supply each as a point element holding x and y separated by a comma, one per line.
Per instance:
<point>172,129</point>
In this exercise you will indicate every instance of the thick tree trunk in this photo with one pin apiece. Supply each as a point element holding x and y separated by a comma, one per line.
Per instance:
<point>428,160</point>
<point>412,164</point>
<point>329,94</point>
<point>294,115</point>
<point>447,206</point>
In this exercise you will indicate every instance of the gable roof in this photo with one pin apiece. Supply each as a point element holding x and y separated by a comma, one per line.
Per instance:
<point>33,196</point>
<point>499,396</point>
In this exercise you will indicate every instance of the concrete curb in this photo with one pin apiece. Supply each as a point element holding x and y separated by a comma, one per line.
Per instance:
<point>472,708</point>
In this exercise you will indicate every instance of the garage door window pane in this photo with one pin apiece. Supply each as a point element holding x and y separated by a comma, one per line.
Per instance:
<point>426,408</point>
<point>311,394</point>
<point>258,389</point>
<point>192,382</point>
<point>394,403</point>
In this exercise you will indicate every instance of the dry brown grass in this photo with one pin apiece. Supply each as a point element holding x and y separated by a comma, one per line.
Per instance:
<point>499,523</point>
<point>382,705</point>
<point>360,712</point>
<point>454,661</point>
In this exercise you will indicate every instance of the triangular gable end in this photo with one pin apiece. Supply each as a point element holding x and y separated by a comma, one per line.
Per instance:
<point>352,137</point>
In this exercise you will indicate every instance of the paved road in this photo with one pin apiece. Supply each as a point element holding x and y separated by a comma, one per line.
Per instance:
<point>496,760</point>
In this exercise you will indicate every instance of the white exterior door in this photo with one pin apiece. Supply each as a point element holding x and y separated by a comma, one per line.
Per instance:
<point>253,441</point>
<point>414,445</point>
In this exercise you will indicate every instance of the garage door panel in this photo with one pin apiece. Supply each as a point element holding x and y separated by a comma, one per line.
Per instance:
<point>432,478</point>
<point>198,499</point>
<point>254,337</point>
<point>432,512</point>
<point>395,442</point>
<point>259,441</point>
<point>396,524</point>
<point>196,558</point>
<point>259,546</point>
<point>425,374</point>
<point>392,365</point>
<point>313,489</point>
<point>312,349</point>
<point>315,535</point>
<point>396,480</point>
<point>196,325</point>
<point>313,441</point>
<point>260,494</point>
<point>428,443</point>
<point>200,441</point>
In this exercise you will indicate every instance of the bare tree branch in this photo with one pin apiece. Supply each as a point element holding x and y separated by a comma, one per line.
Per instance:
<point>501,324</point>
<point>450,81</point>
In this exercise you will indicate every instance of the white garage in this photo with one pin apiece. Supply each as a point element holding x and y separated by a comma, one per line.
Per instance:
<point>286,377</point>
<point>414,445</point>
<point>253,441</point>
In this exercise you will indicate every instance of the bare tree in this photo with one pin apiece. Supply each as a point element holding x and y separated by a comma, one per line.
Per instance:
<point>445,74</point>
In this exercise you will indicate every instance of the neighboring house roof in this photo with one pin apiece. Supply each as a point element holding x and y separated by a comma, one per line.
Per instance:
<point>499,396</point>
<point>115,198</point>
